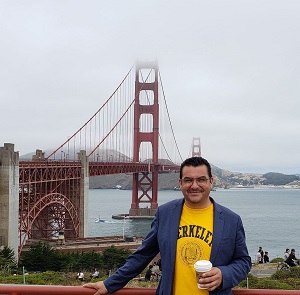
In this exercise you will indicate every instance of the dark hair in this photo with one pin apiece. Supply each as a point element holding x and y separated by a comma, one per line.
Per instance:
<point>195,162</point>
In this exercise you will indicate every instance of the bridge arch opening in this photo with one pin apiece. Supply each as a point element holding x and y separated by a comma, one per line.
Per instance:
<point>51,214</point>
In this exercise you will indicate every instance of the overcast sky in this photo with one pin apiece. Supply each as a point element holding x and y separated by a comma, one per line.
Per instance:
<point>230,72</point>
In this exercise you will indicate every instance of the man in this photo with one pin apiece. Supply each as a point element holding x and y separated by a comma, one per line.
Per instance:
<point>260,249</point>
<point>286,254</point>
<point>260,255</point>
<point>184,231</point>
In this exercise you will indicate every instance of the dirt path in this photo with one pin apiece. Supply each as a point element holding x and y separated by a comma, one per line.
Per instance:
<point>263,270</point>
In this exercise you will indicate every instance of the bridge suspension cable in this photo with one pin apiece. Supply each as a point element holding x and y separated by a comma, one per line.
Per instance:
<point>108,135</point>
<point>100,127</point>
<point>169,118</point>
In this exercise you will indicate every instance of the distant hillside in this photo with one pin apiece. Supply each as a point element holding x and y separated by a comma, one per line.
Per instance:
<point>223,178</point>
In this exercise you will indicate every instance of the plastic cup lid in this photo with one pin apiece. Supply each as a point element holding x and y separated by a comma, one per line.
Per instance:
<point>203,265</point>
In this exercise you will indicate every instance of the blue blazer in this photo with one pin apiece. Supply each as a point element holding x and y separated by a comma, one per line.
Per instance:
<point>229,251</point>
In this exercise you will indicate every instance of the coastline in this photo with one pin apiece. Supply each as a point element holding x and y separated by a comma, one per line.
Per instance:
<point>261,187</point>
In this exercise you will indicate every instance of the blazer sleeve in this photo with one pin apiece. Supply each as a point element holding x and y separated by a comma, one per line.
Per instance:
<point>136,262</point>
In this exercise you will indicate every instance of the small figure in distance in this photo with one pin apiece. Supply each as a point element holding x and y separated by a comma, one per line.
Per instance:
<point>149,273</point>
<point>80,276</point>
<point>179,230</point>
<point>292,260</point>
<point>266,257</point>
<point>262,255</point>
<point>95,275</point>
<point>155,267</point>
<point>258,256</point>
<point>286,254</point>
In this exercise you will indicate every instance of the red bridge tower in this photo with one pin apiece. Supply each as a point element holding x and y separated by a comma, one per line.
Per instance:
<point>145,182</point>
<point>196,148</point>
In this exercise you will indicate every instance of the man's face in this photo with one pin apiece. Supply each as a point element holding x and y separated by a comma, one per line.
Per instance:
<point>195,186</point>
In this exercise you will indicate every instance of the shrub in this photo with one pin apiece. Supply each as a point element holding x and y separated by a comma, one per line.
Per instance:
<point>252,281</point>
<point>281,274</point>
<point>295,272</point>
<point>17,279</point>
<point>277,260</point>
<point>292,272</point>
<point>268,283</point>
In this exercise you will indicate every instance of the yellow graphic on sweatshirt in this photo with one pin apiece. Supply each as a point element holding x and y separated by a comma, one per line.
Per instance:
<point>190,252</point>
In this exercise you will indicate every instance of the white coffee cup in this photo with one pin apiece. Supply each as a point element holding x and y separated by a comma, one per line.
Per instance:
<point>201,266</point>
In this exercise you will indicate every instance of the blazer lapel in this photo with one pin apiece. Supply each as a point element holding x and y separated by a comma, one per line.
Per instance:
<point>217,234</point>
<point>174,220</point>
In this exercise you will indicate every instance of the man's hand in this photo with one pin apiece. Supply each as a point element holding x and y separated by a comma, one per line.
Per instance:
<point>212,279</point>
<point>99,286</point>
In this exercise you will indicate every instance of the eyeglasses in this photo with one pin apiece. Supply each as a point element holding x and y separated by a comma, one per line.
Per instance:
<point>189,181</point>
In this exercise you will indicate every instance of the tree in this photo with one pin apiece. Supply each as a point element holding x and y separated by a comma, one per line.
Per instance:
<point>87,261</point>
<point>8,254</point>
<point>113,258</point>
<point>42,257</point>
<point>8,261</point>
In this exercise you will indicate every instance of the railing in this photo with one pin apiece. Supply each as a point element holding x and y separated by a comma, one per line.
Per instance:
<point>71,290</point>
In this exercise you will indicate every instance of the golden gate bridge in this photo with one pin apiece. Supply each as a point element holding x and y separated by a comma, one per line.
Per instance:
<point>130,133</point>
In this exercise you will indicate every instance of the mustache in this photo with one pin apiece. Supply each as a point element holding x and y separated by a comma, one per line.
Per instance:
<point>195,190</point>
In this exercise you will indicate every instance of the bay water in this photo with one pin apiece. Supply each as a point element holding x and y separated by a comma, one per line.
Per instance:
<point>270,215</point>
